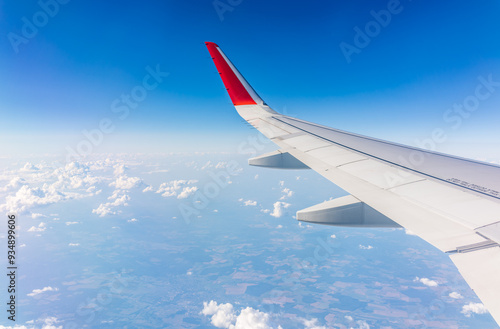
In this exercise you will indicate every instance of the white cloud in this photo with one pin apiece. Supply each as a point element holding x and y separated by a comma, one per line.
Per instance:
<point>172,188</point>
<point>126,183</point>
<point>48,323</point>
<point>207,165</point>
<point>71,223</point>
<point>312,324</point>
<point>39,291</point>
<point>455,295</point>
<point>45,185</point>
<point>27,197</point>
<point>250,203</point>
<point>365,247</point>
<point>221,165</point>
<point>361,325</point>
<point>279,226</point>
<point>250,318</point>
<point>304,226</point>
<point>41,227</point>
<point>427,282</point>
<point>473,308</point>
<point>407,231</point>
<point>148,189</point>
<point>14,183</point>
<point>73,244</point>
<point>333,236</point>
<point>132,220</point>
<point>287,193</point>
<point>120,169</point>
<point>29,167</point>
<point>279,206</point>
<point>187,191</point>
<point>108,208</point>
<point>224,316</point>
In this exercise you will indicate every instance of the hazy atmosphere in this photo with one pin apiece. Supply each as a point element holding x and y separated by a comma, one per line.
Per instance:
<point>125,162</point>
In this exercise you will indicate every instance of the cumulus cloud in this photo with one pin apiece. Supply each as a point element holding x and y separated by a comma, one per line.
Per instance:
<point>40,185</point>
<point>187,191</point>
<point>29,167</point>
<point>287,193</point>
<point>41,227</point>
<point>455,295</point>
<point>207,165</point>
<point>27,197</point>
<point>126,183</point>
<point>249,202</point>
<point>48,323</point>
<point>304,226</point>
<point>221,165</point>
<point>132,220</point>
<point>14,183</point>
<point>361,325</point>
<point>473,308</point>
<point>312,324</point>
<point>109,207</point>
<point>180,188</point>
<point>224,316</point>
<point>120,169</point>
<point>39,291</point>
<point>278,208</point>
<point>36,215</point>
<point>73,244</point>
<point>365,247</point>
<point>427,282</point>
<point>148,189</point>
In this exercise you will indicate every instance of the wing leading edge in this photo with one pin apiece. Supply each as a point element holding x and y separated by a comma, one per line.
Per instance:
<point>451,202</point>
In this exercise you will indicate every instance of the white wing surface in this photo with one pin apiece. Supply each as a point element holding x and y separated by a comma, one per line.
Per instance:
<point>451,202</point>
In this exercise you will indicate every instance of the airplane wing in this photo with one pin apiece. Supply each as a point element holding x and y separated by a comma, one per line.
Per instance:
<point>451,202</point>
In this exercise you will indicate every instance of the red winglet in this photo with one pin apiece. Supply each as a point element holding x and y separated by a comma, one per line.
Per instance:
<point>238,89</point>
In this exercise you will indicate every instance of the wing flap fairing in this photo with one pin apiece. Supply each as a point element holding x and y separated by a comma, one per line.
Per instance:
<point>279,159</point>
<point>345,211</point>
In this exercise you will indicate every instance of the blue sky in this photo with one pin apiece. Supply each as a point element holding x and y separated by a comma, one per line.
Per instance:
<point>65,78</point>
